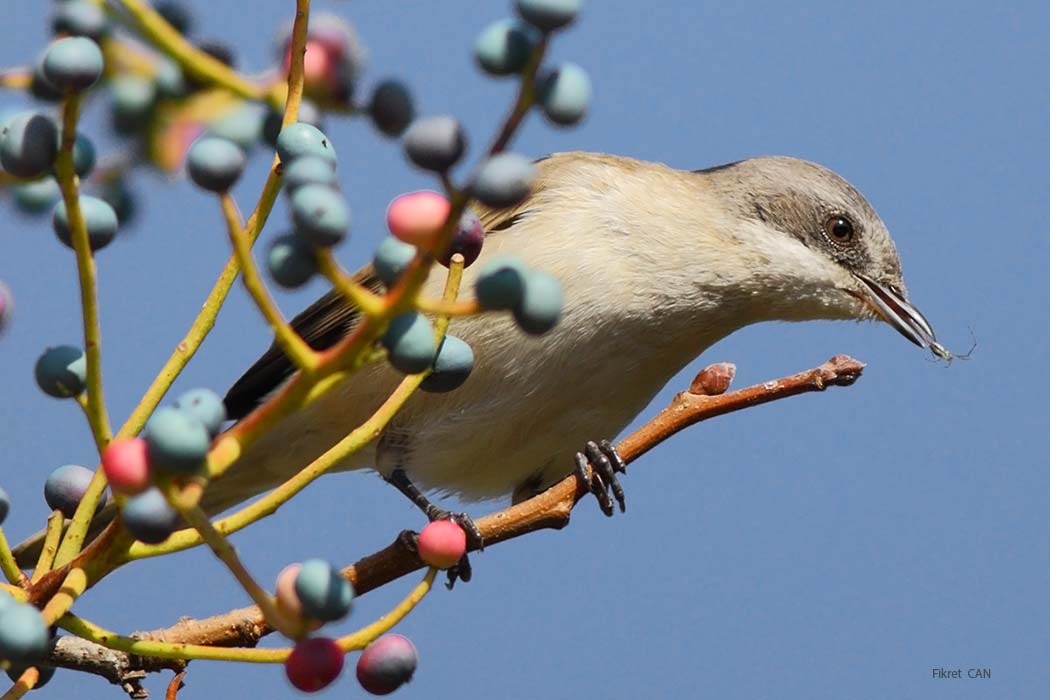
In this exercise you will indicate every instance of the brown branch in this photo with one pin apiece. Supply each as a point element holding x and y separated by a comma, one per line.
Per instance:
<point>550,509</point>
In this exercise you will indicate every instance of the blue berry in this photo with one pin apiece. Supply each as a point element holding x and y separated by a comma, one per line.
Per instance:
<point>301,139</point>
<point>272,124</point>
<point>99,219</point>
<point>46,673</point>
<point>214,163</point>
<point>148,517</point>
<point>36,197</point>
<point>391,107</point>
<point>242,125</point>
<point>66,486</point>
<point>83,155</point>
<point>28,144</point>
<point>504,47</point>
<point>565,93</point>
<point>435,143</point>
<point>467,241</point>
<point>116,194</point>
<point>548,15</point>
<point>501,283</point>
<point>177,441</point>
<point>309,170</point>
<point>205,406</point>
<point>391,258</point>
<point>503,180</point>
<point>80,18</point>
<point>291,261</point>
<point>5,507</point>
<point>131,102</point>
<point>409,339</point>
<point>324,594</point>
<point>169,79</point>
<point>23,634</point>
<point>452,366</point>
<point>320,215</point>
<point>386,664</point>
<point>40,87</point>
<point>540,306</point>
<point>61,371</point>
<point>73,64</point>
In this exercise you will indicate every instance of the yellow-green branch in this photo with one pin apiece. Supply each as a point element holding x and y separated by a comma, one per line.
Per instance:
<point>67,181</point>
<point>225,552</point>
<point>55,522</point>
<point>367,635</point>
<point>289,341</point>
<point>354,292</point>
<point>8,564</point>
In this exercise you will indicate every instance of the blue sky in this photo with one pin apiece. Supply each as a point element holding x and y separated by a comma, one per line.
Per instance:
<point>838,545</point>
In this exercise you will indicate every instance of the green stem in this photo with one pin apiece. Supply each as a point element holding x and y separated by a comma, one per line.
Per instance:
<point>289,341</point>
<point>8,564</point>
<point>95,408</point>
<point>196,518</point>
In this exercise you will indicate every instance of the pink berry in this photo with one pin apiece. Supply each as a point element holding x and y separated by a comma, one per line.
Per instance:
<point>417,217</point>
<point>442,544</point>
<point>126,465</point>
<point>314,663</point>
<point>387,664</point>
<point>320,69</point>
<point>287,600</point>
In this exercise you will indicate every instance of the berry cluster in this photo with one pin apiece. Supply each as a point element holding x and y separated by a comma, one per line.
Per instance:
<point>153,96</point>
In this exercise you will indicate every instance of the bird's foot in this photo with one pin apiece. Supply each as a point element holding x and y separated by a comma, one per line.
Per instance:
<point>605,463</point>
<point>462,570</point>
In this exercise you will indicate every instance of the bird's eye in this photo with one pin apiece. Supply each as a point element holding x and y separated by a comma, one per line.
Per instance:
<point>839,229</point>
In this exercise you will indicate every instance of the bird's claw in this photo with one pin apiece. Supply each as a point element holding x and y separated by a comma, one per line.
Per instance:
<point>605,463</point>
<point>461,571</point>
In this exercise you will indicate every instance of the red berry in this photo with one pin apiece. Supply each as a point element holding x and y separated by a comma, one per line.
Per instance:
<point>417,217</point>
<point>387,664</point>
<point>314,663</point>
<point>126,465</point>
<point>442,544</point>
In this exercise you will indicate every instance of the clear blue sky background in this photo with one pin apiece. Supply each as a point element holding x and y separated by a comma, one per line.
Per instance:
<point>829,546</point>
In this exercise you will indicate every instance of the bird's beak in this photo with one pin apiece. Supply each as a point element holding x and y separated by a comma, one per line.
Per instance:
<point>899,313</point>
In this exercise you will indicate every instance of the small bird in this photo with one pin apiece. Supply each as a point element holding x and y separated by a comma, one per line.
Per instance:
<point>656,265</point>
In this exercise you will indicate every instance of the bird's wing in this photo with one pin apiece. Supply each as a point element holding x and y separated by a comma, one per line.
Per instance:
<point>327,321</point>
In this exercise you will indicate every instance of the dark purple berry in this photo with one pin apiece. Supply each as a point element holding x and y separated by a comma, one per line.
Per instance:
<point>467,241</point>
<point>386,664</point>
<point>65,488</point>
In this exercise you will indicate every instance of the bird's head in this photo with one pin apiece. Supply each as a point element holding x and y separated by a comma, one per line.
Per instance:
<point>825,240</point>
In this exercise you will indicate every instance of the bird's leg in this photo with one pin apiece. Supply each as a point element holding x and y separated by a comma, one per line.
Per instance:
<point>605,463</point>
<point>399,480</point>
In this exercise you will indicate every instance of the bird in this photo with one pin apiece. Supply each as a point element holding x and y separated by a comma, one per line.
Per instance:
<point>656,264</point>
